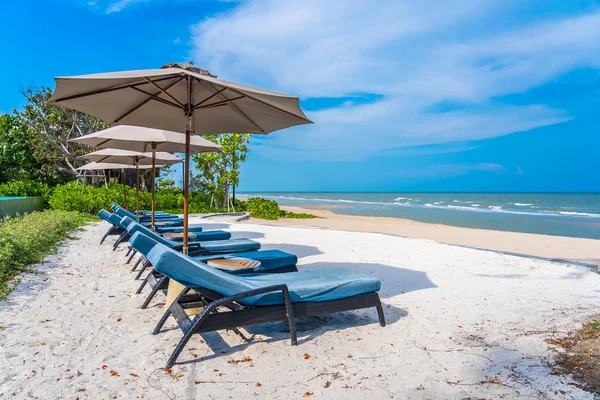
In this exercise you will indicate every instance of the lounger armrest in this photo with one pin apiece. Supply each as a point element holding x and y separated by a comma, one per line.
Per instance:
<point>194,248</point>
<point>212,306</point>
<point>241,271</point>
<point>179,245</point>
<point>255,292</point>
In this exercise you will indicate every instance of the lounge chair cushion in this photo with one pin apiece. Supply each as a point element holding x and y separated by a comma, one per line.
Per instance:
<point>116,220</point>
<point>229,246</point>
<point>204,237</point>
<point>143,245</point>
<point>166,218</point>
<point>105,215</point>
<point>177,229</point>
<point>315,285</point>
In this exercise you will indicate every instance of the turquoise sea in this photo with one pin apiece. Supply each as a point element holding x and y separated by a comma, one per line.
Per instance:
<point>562,214</point>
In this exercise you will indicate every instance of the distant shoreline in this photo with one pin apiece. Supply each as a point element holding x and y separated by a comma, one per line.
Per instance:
<point>566,215</point>
<point>581,251</point>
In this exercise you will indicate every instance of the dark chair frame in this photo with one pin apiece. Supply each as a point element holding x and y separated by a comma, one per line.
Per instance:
<point>113,230</point>
<point>211,319</point>
<point>157,281</point>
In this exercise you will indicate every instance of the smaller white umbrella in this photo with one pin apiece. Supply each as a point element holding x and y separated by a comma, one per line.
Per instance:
<point>131,157</point>
<point>137,138</point>
<point>134,159</point>
<point>95,166</point>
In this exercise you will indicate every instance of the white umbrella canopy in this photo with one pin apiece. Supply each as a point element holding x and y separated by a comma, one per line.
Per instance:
<point>175,97</point>
<point>160,98</point>
<point>137,138</point>
<point>95,166</point>
<point>132,158</point>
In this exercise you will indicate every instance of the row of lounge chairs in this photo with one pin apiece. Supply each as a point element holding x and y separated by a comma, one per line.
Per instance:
<point>274,291</point>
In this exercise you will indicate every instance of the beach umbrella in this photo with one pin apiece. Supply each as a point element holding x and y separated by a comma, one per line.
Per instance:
<point>95,166</point>
<point>175,97</point>
<point>137,138</point>
<point>134,159</point>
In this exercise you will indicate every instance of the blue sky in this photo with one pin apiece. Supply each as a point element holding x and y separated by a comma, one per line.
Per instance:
<point>452,95</point>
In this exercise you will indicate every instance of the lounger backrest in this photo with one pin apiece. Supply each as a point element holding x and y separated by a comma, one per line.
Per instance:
<point>142,242</point>
<point>114,206</point>
<point>194,273</point>
<point>124,213</point>
<point>104,215</point>
<point>116,220</point>
<point>133,227</point>
<point>110,217</point>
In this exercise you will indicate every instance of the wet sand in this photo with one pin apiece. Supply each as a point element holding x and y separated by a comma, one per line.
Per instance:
<point>576,250</point>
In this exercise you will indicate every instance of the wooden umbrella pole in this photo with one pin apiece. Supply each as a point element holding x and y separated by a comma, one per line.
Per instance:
<point>124,189</point>
<point>137,190</point>
<point>153,179</point>
<point>189,120</point>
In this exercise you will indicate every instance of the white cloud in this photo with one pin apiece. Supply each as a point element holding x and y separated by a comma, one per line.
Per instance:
<point>121,4</point>
<point>446,170</point>
<point>415,54</point>
<point>359,131</point>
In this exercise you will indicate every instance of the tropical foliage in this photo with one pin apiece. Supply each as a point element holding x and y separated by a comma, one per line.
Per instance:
<point>25,188</point>
<point>27,240</point>
<point>269,209</point>
<point>293,215</point>
<point>88,199</point>
<point>34,142</point>
<point>262,208</point>
<point>217,172</point>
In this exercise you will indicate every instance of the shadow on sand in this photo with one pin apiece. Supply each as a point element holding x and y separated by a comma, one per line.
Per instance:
<point>299,250</point>
<point>395,281</point>
<point>571,275</point>
<point>246,235</point>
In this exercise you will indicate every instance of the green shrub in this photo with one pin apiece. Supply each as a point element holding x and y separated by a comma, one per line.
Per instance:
<point>263,208</point>
<point>89,199</point>
<point>290,214</point>
<point>25,188</point>
<point>26,240</point>
<point>74,196</point>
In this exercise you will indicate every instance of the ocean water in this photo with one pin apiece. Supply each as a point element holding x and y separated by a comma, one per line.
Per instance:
<point>562,214</point>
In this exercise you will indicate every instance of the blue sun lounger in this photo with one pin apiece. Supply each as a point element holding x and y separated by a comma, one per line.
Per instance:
<point>118,227</point>
<point>195,247</point>
<point>271,261</point>
<point>257,298</point>
<point>166,224</point>
<point>115,229</point>
<point>147,218</point>
<point>114,206</point>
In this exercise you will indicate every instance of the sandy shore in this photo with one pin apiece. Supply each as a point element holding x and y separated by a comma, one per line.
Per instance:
<point>462,323</point>
<point>585,251</point>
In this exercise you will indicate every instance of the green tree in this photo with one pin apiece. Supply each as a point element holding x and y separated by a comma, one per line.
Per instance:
<point>54,126</point>
<point>165,177</point>
<point>217,172</point>
<point>20,158</point>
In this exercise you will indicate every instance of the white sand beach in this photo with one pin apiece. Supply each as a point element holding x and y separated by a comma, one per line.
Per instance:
<point>462,323</point>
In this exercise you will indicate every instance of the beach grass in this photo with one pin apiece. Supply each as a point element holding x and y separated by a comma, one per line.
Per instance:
<point>295,215</point>
<point>26,240</point>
